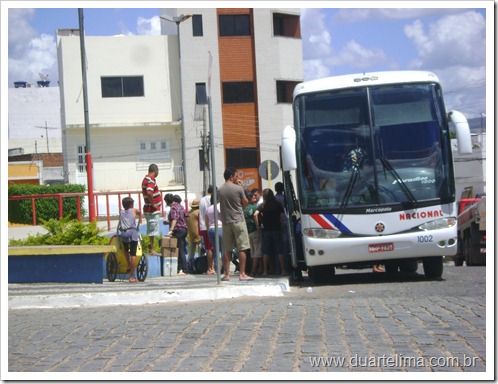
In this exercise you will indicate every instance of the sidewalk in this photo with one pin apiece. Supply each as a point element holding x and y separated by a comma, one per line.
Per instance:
<point>151,291</point>
<point>121,292</point>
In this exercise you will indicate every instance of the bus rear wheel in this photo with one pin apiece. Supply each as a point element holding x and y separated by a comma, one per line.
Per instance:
<point>433,266</point>
<point>322,274</point>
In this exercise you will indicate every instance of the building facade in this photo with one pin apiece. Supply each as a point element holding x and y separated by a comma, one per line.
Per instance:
<point>248,61</point>
<point>34,120</point>
<point>133,109</point>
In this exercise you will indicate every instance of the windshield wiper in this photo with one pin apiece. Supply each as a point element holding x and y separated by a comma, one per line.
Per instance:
<point>349,190</point>
<point>400,181</point>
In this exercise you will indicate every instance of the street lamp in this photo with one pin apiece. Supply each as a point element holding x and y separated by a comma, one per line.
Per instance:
<point>178,20</point>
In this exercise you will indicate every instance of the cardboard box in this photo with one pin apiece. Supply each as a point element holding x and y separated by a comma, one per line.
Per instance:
<point>169,242</point>
<point>169,252</point>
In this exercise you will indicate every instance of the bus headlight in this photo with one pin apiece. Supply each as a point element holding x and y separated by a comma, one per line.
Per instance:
<point>321,233</point>
<point>438,224</point>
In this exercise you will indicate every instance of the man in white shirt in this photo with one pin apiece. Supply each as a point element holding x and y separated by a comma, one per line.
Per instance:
<point>203,230</point>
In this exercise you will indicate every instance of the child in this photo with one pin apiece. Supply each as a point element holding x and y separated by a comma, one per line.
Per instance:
<point>129,234</point>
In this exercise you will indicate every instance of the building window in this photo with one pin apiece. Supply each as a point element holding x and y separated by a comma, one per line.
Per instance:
<point>238,92</point>
<point>235,25</point>
<point>81,165</point>
<point>200,94</point>
<point>203,161</point>
<point>286,25</point>
<point>154,151</point>
<point>122,86</point>
<point>285,90</point>
<point>197,25</point>
<point>242,157</point>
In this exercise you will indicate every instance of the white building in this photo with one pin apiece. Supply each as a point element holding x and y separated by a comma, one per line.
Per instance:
<point>133,106</point>
<point>34,120</point>
<point>256,62</point>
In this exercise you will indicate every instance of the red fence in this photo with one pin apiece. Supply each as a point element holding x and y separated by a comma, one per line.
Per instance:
<point>135,195</point>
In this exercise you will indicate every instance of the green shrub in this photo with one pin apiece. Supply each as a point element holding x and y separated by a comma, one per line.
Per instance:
<point>66,232</point>
<point>21,212</point>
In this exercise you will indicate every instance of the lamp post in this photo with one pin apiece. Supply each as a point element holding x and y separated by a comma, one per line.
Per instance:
<point>178,20</point>
<point>88,155</point>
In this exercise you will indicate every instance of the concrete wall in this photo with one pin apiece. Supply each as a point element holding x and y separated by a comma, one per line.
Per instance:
<point>273,58</point>
<point>126,133</point>
<point>34,113</point>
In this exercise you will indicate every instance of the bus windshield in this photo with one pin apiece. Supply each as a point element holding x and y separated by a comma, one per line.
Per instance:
<point>373,146</point>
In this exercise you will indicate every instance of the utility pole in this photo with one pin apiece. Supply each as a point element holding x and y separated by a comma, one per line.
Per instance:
<point>178,20</point>
<point>46,128</point>
<point>88,155</point>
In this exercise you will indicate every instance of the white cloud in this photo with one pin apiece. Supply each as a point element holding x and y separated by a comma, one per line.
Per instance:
<point>19,29</point>
<point>33,56</point>
<point>452,40</point>
<point>464,89</point>
<point>315,69</point>
<point>150,26</point>
<point>355,55</point>
<point>454,47</point>
<point>358,15</point>
<point>316,37</point>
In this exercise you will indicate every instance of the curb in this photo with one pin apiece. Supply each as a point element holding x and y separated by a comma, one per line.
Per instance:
<point>78,298</point>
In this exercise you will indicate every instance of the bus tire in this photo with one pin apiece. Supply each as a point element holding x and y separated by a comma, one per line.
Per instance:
<point>391,267</point>
<point>408,266</point>
<point>322,274</point>
<point>433,266</point>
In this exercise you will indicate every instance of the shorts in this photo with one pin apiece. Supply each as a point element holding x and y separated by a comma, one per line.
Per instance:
<point>212,238</point>
<point>235,235</point>
<point>153,223</point>
<point>205,239</point>
<point>255,242</point>
<point>272,243</point>
<point>131,247</point>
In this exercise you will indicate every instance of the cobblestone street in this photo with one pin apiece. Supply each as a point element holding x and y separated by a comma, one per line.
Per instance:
<point>362,323</point>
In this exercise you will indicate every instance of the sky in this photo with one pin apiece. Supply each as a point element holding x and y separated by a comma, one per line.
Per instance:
<point>336,41</point>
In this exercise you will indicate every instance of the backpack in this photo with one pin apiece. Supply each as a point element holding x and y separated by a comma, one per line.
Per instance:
<point>199,265</point>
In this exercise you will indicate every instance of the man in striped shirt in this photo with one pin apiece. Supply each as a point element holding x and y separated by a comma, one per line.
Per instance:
<point>152,205</point>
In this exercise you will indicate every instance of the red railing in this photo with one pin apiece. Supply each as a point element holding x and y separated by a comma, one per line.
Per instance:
<point>106,213</point>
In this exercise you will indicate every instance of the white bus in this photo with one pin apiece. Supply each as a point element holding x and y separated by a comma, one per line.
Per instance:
<point>368,173</point>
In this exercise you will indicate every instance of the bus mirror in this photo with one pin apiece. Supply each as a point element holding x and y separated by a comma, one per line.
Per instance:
<point>462,131</point>
<point>289,162</point>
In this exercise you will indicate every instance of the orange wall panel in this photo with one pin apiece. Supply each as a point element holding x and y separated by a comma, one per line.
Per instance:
<point>240,127</point>
<point>236,59</point>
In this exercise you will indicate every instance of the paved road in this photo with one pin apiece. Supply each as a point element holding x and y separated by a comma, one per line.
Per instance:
<point>375,323</point>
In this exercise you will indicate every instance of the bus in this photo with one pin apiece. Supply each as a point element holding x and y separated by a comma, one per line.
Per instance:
<point>368,174</point>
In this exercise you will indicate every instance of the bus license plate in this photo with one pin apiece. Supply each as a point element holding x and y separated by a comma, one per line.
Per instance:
<point>385,247</point>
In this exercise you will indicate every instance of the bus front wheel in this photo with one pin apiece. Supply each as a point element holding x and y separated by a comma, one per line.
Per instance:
<point>433,266</point>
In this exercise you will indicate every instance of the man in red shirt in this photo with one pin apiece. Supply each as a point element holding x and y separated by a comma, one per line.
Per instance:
<point>152,205</point>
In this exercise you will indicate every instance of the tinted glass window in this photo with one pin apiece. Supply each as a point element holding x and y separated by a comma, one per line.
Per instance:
<point>197,25</point>
<point>129,86</point>
<point>238,92</point>
<point>235,25</point>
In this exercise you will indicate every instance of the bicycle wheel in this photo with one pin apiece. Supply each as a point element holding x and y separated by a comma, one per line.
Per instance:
<point>142,268</point>
<point>112,266</point>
